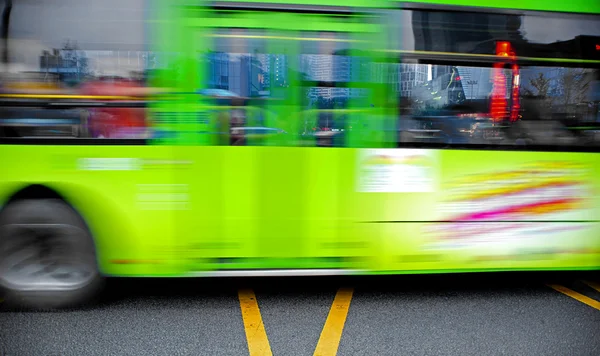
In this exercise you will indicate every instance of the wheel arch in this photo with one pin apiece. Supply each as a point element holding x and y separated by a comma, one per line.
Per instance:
<point>89,205</point>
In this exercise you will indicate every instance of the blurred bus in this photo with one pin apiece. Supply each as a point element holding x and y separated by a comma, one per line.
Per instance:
<point>300,138</point>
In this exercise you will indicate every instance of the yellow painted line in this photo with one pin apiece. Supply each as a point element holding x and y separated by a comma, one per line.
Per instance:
<point>258,343</point>
<point>578,296</point>
<point>594,285</point>
<point>334,325</point>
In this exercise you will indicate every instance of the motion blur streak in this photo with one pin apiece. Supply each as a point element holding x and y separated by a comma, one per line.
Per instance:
<point>199,138</point>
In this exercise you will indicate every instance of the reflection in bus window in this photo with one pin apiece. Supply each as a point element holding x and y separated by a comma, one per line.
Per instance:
<point>532,35</point>
<point>80,56</point>
<point>238,79</point>
<point>454,88</point>
<point>537,106</point>
<point>335,74</point>
<point>559,106</point>
<point>118,123</point>
<point>293,94</point>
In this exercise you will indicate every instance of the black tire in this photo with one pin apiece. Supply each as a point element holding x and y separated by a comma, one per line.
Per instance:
<point>55,239</point>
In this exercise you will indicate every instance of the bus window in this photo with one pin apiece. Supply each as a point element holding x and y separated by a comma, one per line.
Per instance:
<point>486,79</point>
<point>559,106</point>
<point>532,35</point>
<point>243,80</point>
<point>82,59</point>
<point>454,106</point>
<point>334,80</point>
<point>292,90</point>
<point>549,106</point>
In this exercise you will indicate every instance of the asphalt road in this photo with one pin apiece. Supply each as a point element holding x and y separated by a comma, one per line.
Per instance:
<point>482,314</point>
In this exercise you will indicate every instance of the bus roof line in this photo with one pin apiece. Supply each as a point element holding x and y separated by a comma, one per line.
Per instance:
<point>281,7</point>
<point>492,56</point>
<point>486,7</point>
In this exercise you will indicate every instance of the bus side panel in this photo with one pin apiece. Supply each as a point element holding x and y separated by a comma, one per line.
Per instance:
<point>125,194</point>
<point>484,210</point>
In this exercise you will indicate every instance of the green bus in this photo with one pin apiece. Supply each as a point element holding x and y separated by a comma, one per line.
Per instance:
<point>300,138</point>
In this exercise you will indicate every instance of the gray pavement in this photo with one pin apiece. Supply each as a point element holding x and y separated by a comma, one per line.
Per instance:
<point>496,314</point>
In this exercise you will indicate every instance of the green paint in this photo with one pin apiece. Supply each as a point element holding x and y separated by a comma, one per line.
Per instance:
<point>575,6</point>
<point>187,202</point>
<point>272,207</point>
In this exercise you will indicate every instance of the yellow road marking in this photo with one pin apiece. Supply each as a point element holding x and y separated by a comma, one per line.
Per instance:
<point>334,325</point>
<point>258,343</point>
<point>578,296</point>
<point>594,285</point>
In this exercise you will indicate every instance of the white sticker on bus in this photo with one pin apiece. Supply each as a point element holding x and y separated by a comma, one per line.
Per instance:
<point>397,171</point>
<point>109,164</point>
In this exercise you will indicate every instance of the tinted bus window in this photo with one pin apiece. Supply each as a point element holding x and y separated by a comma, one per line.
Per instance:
<point>287,90</point>
<point>544,35</point>
<point>475,79</point>
<point>76,49</point>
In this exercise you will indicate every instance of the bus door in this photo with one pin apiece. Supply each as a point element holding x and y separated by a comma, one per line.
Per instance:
<point>332,94</point>
<point>265,202</point>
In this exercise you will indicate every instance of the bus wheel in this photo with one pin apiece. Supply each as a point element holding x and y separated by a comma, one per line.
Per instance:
<point>47,255</point>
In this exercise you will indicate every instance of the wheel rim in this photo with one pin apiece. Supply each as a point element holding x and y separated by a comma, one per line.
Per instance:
<point>45,257</point>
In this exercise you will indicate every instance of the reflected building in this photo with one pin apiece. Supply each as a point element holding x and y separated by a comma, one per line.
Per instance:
<point>476,82</point>
<point>243,74</point>
<point>328,69</point>
<point>459,86</point>
<point>75,64</point>
<point>265,68</point>
<point>338,69</point>
<point>218,71</point>
<point>279,75</point>
<point>411,76</point>
<point>467,33</point>
<point>438,71</point>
